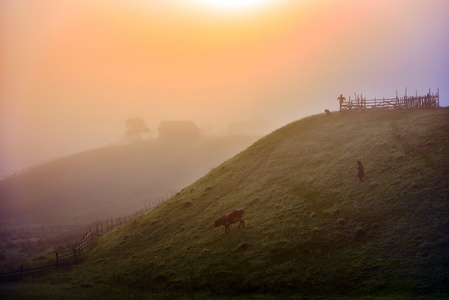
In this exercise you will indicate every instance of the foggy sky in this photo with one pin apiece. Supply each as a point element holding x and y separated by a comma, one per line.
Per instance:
<point>72,72</point>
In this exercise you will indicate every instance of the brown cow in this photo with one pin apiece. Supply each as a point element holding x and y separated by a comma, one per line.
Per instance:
<point>231,218</point>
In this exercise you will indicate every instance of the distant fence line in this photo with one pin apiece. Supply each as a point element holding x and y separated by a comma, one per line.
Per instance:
<point>72,256</point>
<point>359,103</point>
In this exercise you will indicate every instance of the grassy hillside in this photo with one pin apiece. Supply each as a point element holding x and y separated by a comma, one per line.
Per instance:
<point>312,228</point>
<point>110,182</point>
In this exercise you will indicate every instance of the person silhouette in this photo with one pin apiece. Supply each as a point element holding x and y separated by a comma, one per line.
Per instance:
<point>361,173</point>
<point>341,99</point>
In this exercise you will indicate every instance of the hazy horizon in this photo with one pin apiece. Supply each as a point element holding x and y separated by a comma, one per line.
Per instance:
<point>72,72</point>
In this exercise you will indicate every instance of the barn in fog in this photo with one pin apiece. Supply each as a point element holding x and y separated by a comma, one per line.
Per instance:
<point>178,130</point>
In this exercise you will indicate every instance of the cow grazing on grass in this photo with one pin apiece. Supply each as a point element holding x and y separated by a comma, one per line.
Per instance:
<point>231,218</point>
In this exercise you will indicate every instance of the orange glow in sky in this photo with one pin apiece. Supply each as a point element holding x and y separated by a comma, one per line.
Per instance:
<point>72,72</point>
<point>234,4</point>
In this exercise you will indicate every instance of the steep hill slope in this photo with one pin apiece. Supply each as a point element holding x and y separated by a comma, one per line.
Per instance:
<point>312,227</point>
<point>110,181</point>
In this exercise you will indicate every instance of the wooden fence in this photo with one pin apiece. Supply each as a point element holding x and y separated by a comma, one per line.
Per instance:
<point>359,103</point>
<point>61,260</point>
<point>72,256</point>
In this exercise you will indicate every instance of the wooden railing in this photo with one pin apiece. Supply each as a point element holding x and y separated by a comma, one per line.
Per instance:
<point>62,260</point>
<point>72,256</point>
<point>359,103</point>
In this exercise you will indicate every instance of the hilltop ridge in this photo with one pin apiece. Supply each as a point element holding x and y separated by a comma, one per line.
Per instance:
<point>312,228</point>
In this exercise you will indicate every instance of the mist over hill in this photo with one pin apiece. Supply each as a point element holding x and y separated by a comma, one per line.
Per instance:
<point>312,228</point>
<point>112,181</point>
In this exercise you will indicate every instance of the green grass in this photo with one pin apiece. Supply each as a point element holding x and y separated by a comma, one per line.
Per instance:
<point>312,231</point>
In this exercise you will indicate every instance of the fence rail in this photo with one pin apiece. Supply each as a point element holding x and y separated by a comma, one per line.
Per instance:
<point>359,103</point>
<point>66,260</point>
<point>70,257</point>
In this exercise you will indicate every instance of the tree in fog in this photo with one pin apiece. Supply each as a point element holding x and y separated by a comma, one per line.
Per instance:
<point>135,127</point>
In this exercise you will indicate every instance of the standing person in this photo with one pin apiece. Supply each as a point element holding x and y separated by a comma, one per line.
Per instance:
<point>361,173</point>
<point>341,99</point>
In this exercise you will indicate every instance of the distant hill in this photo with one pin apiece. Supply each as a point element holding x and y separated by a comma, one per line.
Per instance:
<point>111,181</point>
<point>312,228</point>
